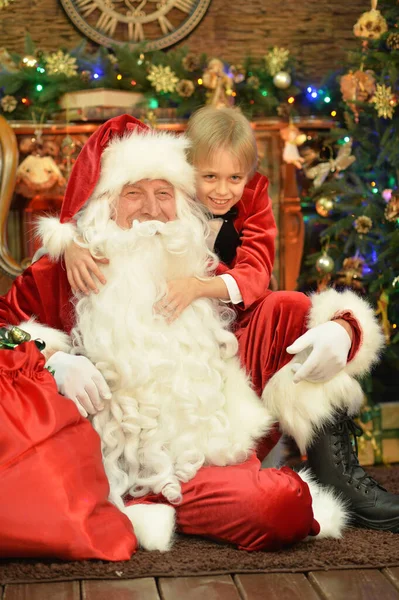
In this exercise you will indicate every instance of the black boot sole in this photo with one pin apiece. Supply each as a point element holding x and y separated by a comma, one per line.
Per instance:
<point>391,525</point>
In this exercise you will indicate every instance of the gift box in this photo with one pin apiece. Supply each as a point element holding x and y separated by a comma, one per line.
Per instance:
<point>100,97</point>
<point>97,105</point>
<point>380,440</point>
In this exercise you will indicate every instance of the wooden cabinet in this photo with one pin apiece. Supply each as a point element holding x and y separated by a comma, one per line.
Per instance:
<point>22,200</point>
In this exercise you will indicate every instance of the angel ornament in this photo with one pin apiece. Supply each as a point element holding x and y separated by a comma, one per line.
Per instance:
<point>292,138</point>
<point>219,84</point>
<point>343,160</point>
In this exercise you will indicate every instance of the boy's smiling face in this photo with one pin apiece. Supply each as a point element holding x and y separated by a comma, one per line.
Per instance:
<point>220,181</point>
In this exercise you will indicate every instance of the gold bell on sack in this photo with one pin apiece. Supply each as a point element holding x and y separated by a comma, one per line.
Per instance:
<point>18,336</point>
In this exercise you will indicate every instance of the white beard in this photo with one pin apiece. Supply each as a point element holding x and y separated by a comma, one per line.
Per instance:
<point>179,397</point>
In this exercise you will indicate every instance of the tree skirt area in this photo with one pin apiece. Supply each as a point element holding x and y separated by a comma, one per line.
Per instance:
<point>358,549</point>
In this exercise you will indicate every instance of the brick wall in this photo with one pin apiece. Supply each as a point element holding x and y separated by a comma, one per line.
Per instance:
<point>318,32</point>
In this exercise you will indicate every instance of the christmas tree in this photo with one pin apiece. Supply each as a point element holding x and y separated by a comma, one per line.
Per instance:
<point>355,187</point>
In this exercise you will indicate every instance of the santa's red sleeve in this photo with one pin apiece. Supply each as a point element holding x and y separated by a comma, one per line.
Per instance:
<point>253,265</point>
<point>39,303</point>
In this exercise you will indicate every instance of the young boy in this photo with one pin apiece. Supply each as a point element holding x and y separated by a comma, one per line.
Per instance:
<point>330,346</point>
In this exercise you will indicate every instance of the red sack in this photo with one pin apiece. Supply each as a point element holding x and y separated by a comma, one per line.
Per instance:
<point>53,488</point>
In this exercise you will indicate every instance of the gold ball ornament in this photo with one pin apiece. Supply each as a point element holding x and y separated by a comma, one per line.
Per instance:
<point>282,80</point>
<point>325,264</point>
<point>324,206</point>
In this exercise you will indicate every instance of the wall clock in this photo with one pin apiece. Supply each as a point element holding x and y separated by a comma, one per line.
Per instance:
<point>158,23</point>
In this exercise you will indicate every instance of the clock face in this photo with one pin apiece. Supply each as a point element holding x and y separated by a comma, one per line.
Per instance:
<point>158,23</point>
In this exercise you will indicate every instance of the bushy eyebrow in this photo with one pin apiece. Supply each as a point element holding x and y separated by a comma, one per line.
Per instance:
<point>140,187</point>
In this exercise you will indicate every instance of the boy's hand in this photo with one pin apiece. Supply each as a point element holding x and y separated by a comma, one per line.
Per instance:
<point>181,293</point>
<point>330,344</point>
<point>81,266</point>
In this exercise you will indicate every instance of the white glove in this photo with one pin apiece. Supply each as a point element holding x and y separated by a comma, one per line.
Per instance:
<point>331,344</point>
<point>78,379</point>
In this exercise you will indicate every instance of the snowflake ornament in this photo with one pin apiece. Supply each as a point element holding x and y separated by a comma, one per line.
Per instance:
<point>276,60</point>
<point>61,63</point>
<point>384,101</point>
<point>163,79</point>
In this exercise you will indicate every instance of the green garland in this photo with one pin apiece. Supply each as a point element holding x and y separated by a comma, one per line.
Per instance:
<point>33,84</point>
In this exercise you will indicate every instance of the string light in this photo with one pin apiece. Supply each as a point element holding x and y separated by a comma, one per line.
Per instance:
<point>264,93</point>
<point>25,101</point>
<point>133,82</point>
<point>119,76</point>
<point>346,139</point>
<point>327,99</point>
<point>39,87</point>
<point>96,76</point>
<point>199,81</point>
<point>291,100</point>
<point>333,113</point>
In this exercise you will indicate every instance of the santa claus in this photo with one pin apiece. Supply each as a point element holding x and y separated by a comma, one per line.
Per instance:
<point>177,417</point>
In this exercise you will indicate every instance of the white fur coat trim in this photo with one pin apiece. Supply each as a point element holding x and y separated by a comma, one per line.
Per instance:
<point>54,338</point>
<point>153,155</point>
<point>329,510</point>
<point>329,304</point>
<point>55,236</point>
<point>153,525</point>
<point>303,408</point>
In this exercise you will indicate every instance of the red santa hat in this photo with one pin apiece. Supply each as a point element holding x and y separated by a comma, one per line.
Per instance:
<point>123,150</point>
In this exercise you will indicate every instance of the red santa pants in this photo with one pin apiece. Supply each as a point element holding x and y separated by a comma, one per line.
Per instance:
<point>250,507</point>
<point>264,332</point>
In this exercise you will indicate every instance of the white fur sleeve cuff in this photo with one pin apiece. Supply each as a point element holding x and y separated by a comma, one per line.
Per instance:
<point>55,236</point>
<point>54,339</point>
<point>330,304</point>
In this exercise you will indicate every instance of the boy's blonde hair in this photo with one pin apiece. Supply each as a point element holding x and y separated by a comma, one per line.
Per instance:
<point>210,129</point>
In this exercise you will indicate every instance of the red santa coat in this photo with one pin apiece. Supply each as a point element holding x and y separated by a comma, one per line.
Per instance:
<point>42,292</point>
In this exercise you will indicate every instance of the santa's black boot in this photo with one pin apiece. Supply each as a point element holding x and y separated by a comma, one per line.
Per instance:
<point>333,459</point>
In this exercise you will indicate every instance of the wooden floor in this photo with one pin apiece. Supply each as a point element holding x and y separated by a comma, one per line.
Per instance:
<point>362,584</point>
